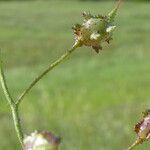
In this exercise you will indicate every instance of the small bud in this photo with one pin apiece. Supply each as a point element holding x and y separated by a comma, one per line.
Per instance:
<point>95,29</point>
<point>143,127</point>
<point>142,130</point>
<point>41,141</point>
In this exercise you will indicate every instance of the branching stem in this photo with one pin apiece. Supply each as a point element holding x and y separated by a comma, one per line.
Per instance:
<point>54,64</point>
<point>13,106</point>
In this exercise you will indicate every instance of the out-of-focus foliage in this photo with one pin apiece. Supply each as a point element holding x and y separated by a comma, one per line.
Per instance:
<point>113,0</point>
<point>77,0</point>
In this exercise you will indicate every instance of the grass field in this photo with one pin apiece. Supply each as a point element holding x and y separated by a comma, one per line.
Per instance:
<point>92,100</point>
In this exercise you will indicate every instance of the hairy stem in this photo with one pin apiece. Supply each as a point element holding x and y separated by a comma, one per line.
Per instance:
<point>54,64</point>
<point>13,106</point>
<point>17,123</point>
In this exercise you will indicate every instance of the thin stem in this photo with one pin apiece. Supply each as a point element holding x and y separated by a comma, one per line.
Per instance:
<point>17,123</point>
<point>137,142</point>
<point>14,108</point>
<point>54,64</point>
<point>4,85</point>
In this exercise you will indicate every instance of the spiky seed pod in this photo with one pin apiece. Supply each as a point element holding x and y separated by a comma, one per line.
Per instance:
<point>95,29</point>
<point>41,141</point>
<point>143,127</point>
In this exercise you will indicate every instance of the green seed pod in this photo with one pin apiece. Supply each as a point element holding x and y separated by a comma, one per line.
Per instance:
<point>95,29</point>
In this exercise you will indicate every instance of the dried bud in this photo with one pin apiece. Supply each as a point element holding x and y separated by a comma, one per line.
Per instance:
<point>142,130</point>
<point>41,141</point>
<point>143,127</point>
<point>95,29</point>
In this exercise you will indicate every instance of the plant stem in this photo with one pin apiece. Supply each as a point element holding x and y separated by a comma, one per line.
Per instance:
<point>54,64</point>
<point>17,123</point>
<point>137,142</point>
<point>13,106</point>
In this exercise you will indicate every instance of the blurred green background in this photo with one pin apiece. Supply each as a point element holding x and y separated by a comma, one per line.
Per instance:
<point>92,100</point>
